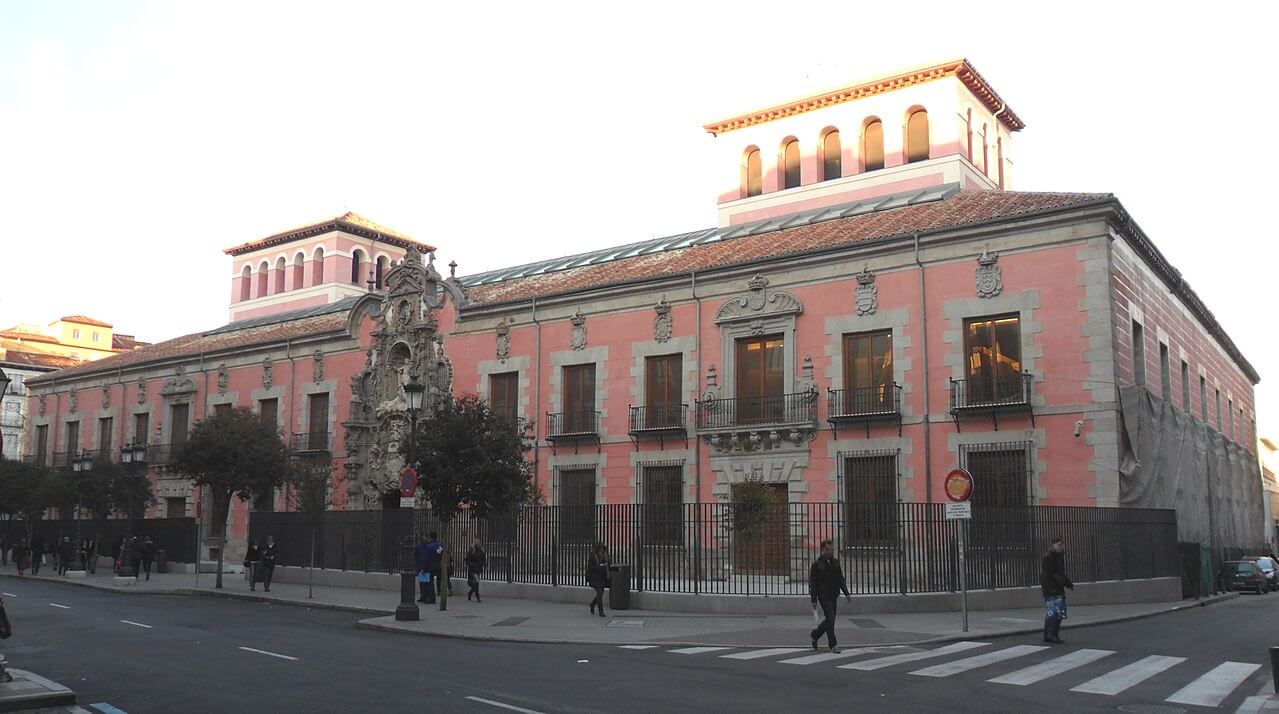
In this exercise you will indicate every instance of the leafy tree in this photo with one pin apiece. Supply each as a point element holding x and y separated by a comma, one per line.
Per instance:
<point>470,458</point>
<point>25,492</point>
<point>234,454</point>
<point>312,494</point>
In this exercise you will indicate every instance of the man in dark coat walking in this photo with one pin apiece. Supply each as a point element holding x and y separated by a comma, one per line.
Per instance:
<point>148,555</point>
<point>1054,583</point>
<point>427,558</point>
<point>66,555</point>
<point>825,583</point>
<point>268,555</point>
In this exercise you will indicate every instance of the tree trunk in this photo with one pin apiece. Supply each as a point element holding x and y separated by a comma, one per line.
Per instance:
<point>446,560</point>
<point>220,512</point>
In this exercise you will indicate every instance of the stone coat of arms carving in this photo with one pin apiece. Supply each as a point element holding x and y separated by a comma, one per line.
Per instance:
<point>268,373</point>
<point>317,367</point>
<point>106,396</point>
<point>142,390</point>
<point>662,322</point>
<point>578,337</point>
<point>224,378</point>
<point>43,404</point>
<point>867,293</point>
<point>990,278</point>
<point>503,341</point>
<point>73,401</point>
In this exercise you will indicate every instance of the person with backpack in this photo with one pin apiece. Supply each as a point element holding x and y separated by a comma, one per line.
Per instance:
<point>597,575</point>
<point>476,560</point>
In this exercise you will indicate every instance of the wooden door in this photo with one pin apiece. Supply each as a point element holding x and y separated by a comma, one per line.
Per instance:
<point>766,551</point>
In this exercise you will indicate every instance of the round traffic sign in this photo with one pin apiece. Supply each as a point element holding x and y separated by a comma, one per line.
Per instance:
<point>408,482</point>
<point>958,485</point>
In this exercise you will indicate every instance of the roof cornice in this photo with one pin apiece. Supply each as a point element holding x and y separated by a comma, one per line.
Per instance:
<point>960,69</point>
<point>329,226</point>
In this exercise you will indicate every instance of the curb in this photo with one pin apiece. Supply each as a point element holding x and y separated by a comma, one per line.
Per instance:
<point>96,586</point>
<point>230,595</point>
<point>370,625</point>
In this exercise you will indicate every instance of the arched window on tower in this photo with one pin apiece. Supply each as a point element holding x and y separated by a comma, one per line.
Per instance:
<point>299,271</point>
<point>246,283</point>
<point>279,275</point>
<point>917,136</point>
<point>873,145</point>
<point>379,271</point>
<point>317,266</point>
<point>790,163</point>
<point>753,179</point>
<point>357,262</point>
<point>832,163</point>
<point>263,273</point>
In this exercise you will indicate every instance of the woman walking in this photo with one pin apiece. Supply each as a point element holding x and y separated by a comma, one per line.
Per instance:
<point>597,575</point>
<point>476,560</point>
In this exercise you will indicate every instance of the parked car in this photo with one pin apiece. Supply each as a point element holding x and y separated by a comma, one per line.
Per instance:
<point>1243,575</point>
<point>1268,566</point>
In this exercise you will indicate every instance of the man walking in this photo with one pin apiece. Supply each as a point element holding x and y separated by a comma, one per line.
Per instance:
<point>1054,583</point>
<point>269,551</point>
<point>148,555</point>
<point>66,554</point>
<point>426,557</point>
<point>251,558</point>
<point>825,583</point>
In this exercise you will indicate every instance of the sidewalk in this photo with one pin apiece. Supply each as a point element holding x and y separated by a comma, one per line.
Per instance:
<point>537,621</point>
<point>29,692</point>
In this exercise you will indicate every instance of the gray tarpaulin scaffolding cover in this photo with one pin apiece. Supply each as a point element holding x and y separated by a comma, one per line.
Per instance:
<point>1172,460</point>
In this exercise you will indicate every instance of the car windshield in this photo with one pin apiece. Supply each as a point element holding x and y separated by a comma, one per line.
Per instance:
<point>1265,563</point>
<point>1245,568</point>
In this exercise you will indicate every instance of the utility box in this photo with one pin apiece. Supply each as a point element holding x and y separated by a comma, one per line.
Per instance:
<point>619,588</point>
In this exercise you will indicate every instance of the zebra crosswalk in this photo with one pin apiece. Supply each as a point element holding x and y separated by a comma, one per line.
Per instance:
<point>1188,684</point>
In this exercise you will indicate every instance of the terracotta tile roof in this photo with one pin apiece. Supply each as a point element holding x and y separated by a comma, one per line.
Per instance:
<point>308,324</point>
<point>31,359</point>
<point>962,207</point>
<point>82,320</point>
<point>28,336</point>
<point>126,342</point>
<point>348,222</point>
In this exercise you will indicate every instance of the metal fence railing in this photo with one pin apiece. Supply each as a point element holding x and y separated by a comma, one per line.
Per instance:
<point>881,400</point>
<point>176,536</point>
<point>561,424</point>
<point>716,549</point>
<point>658,417</point>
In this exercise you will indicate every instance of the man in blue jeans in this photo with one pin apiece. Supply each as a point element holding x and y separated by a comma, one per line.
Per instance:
<point>1054,583</point>
<point>825,583</point>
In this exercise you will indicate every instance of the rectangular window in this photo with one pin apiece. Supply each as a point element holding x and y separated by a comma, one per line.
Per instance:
<point>504,395</point>
<point>42,444</point>
<point>1138,354</point>
<point>104,437</point>
<point>95,336</point>
<point>75,334</point>
<point>577,505</point>
<point>1230,410</point>
<point>1001,493</point>
<point>579,399</point>
<point>663,389</point>
<point>1165,373</point>
<point>72,445</point>
<point>1217,406</point>
<point>317,438</point>
<point>175,507</point>
<point>993,372</point>
<point>870,498</point>
<point>663,503</point>
<point>179,422</point>
<point>221,409</point>
<point>141,428</point>
<point>1203,398</point>
<point>269,411</point>
<point>868,373</point>
<point>761,379</point>
<point>1185,386</point>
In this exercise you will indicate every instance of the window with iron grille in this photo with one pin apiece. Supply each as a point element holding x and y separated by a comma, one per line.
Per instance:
<point>1001,473</point>
<point>868,481</point>
<point>577,504</point>
<point>661,493</point>
<point>1138,354</point>
<point>1165,373</point>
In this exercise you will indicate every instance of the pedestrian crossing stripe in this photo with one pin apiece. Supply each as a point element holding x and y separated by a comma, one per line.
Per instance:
<point>1209,689</point>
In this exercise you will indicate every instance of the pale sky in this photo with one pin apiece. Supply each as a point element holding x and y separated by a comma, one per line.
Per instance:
<point>137,140</point>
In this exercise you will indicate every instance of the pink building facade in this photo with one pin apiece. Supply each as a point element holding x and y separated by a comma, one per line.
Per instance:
<point>851,331</point>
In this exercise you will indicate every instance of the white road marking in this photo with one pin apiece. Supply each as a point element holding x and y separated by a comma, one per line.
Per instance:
<point>270,654</point>
<point>698,650</point>
<point>1215,685</point>
<point>760,654</point>
<point>882,662</point>
<point>502,705</point>
<point>64,607</point>
<point>1051,668</point>
<point>1127,676</point>
<point>638,647</point>
<point>1253,705</point>
<point>828,656</point>
<point>8,594</point>
<point>981,660</point>
<point>136,624</point>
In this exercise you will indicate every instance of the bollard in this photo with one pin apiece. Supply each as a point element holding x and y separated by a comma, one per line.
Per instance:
<point>1274,667</point>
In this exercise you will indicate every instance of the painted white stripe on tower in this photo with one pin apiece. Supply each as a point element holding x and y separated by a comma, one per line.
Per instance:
<point>882,662</point>
<point>1051,668</point>
<point>981,660</point>
<point>760,654</point>
<point>698,650</point>
<point>1215,685</point>
<point>1129,675</point>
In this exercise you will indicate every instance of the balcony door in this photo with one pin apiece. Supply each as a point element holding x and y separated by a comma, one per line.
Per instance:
<point>318,427</point>
<point>992,349</point>
<point>663,386</point>
<point>868,373</point>
<point>579,399</point>
<point>760,379</point>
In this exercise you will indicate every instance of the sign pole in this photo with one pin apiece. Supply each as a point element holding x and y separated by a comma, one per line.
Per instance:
<point>963,584</point>
<point>958,486</point>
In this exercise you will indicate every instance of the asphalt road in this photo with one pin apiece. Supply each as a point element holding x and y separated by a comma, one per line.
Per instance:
<point>157,653</point>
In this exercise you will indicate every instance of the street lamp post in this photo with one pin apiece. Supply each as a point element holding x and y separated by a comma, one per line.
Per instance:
<point>134,459</point>
<point>80,465</point>
<point>407,609</point>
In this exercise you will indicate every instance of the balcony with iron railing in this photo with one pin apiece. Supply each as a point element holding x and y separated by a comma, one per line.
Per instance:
<point>766,412</point>
<point>1003,394</point>
<point>658,421</point>
<point>575,427</point>
<point>310,442</point>
<point>864,405</point>
<point>63,459</point>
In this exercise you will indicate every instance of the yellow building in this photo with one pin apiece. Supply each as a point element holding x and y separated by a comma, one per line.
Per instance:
<point>73,336</point>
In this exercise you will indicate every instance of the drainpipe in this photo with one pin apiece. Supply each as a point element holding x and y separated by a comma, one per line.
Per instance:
<point>697,383</point>
<point>537,399</point>
<point>927,380</point>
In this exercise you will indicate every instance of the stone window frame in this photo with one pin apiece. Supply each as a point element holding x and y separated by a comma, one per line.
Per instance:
<point>303,395</point>
<point>569,358</point>
<point>278,392</point>
<point>893,321</point>
<point>1024,304</point>
<point>903,445</point>
<point>640,459</point>
<point>686,347</point>
<point>576,462</point>
<point>1036,440</point>
<point>521,366</point>
<point>757,326</point>
<point>166,423</point>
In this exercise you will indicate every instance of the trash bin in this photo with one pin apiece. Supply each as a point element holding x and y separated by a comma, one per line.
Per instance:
<point>161,561</point>
<point>619,588</point>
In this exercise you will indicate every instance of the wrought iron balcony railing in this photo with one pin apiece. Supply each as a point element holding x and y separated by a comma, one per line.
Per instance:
<point>864,405</point>
<point>992,395</point>
<point>659,417</point>
<point>311,442</point>
<point>753,412</point>
<point>568,425</point>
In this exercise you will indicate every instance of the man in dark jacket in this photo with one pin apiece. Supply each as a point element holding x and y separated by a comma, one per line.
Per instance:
<point>268,554</point>
<point>66,555</point>
<point>426,557</point>
<point>251,558</point>
<point>1053,582</point>
<point>825,583</point>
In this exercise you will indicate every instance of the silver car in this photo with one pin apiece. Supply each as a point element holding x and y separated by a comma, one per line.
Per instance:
<point>1268,567</point>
